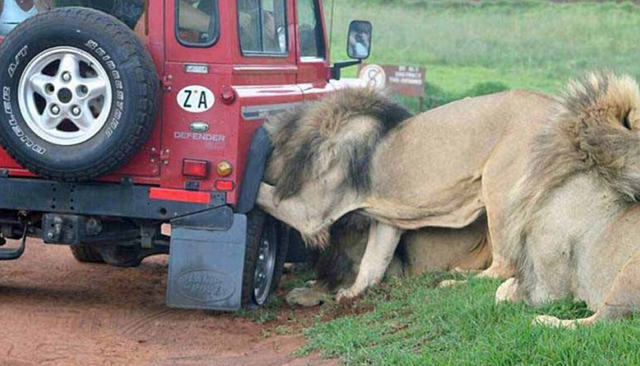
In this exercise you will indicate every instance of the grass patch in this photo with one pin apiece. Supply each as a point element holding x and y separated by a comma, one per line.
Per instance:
<point>413,323</point>
<point>536,45</point>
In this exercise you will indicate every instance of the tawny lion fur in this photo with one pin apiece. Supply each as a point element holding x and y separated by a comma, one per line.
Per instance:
<point>574,221</point>
<point>357,151</point>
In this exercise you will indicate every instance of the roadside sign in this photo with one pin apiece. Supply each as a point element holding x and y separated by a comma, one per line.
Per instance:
<point>373,75</point>
<point>403,80</point>
<point>398,79</point>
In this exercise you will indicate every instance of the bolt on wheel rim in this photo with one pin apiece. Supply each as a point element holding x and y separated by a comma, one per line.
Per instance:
<point>65,96</point>
<point>263,275</point>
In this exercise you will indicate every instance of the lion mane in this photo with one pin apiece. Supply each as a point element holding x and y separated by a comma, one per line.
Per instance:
<point>590,132</point>
<point>343,128</point>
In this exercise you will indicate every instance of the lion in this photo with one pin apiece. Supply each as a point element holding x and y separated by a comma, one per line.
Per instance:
<point>465,250</point>
<point>358,151</point>
<point>574,219</point>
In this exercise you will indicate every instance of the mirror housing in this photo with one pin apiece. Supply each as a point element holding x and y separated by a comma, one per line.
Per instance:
<point>359,39</point>
<point>358,46</point>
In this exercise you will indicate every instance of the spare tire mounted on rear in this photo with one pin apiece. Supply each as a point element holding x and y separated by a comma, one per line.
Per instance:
<point>79,92</point>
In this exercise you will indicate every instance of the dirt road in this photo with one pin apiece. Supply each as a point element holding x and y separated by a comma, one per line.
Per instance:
<point>56,311</point>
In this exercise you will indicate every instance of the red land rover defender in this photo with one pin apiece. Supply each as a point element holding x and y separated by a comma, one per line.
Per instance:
<point>120,116</point>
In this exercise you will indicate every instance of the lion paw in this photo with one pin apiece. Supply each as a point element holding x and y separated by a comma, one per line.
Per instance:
<point>465,272</point>
<point>346,295</point>
<point>552,321</point>
<point>450,283</point>
<point>507,291</point>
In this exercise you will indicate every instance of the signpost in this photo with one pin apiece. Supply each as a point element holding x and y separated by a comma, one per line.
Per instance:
<point>402,80</point>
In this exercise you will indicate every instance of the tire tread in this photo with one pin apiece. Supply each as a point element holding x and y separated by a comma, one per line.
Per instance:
<point>141,67</point>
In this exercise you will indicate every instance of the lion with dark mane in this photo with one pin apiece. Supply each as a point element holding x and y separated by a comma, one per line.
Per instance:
<point>573,228</point>
<point>465,250</point>
<point>357,151</point>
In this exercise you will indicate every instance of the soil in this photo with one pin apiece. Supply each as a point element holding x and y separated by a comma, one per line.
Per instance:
<point>57,311</point>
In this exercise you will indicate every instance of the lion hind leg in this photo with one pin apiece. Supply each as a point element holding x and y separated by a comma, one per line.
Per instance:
<point>623,298</point>
<point>381,245</point>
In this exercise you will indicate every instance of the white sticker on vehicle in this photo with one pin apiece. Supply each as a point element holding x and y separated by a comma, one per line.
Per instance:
<point>195,99</point>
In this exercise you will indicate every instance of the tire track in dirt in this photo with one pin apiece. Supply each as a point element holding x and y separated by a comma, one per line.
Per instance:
<point>61,312</point>
<point>139,325</point>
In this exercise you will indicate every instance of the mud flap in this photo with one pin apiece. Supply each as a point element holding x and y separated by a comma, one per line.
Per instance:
<point>206,265</point>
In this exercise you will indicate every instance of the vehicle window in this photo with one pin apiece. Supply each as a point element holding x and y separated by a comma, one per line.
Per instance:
<point>197,22</point>
<point>310,29</point>
<point>13,12</point>
<point>262,27</point>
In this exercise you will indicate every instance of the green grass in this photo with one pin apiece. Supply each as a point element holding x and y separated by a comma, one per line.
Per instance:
<point>534,45</point>
<point>414,323</point>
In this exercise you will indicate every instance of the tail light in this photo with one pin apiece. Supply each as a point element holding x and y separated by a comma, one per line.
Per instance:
<point>224,185</point>
<point>198,169</point>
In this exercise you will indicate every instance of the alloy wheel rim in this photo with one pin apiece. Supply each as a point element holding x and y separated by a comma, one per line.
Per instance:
<point>263,275</point>
<point>65,96</point>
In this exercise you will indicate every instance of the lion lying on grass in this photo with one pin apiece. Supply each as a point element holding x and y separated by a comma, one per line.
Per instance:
<point>356,151</point>
<point>419,251</point>
<point>574,227</point>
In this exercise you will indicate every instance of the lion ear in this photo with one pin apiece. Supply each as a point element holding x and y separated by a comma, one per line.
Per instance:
<point>625,121</point>
<point>630,119</point>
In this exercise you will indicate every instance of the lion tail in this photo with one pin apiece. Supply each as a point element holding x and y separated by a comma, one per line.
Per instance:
<point>594,129</point>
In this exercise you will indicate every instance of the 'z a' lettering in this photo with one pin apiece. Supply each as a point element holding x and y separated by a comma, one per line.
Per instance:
<point>202,104</point>
<point>195,99</point>
<point>186,100</point>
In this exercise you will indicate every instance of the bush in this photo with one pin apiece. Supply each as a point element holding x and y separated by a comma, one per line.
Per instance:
<point>434,96</point>
<point>489,87</point>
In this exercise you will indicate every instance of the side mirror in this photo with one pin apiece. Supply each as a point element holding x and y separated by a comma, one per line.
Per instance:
<point>359,39</point>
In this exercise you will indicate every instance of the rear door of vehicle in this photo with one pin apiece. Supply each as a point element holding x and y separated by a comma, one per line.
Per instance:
<point>197,125</point>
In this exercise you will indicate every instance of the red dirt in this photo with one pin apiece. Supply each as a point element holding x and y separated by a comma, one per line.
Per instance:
<point>57,311</point>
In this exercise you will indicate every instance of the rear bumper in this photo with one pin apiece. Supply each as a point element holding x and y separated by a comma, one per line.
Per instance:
<point>123,199</point>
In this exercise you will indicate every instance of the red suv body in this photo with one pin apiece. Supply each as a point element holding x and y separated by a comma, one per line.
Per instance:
<point>222,68</point>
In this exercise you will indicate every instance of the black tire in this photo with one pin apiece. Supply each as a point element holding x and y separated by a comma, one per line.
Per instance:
<point>86,253</point>
<point>114,254</point>
<point>103,49</point>
<point>261,226</point>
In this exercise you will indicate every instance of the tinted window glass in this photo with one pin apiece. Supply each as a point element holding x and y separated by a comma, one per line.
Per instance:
<point>311,36</point>
<point>262,26</point>
<point>197,22</point>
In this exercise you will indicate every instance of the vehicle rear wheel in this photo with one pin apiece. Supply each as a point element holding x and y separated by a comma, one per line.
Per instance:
<point>115,254</point>
<point>266,252</point>
<point>80,92</point>
<point>86,253</point>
